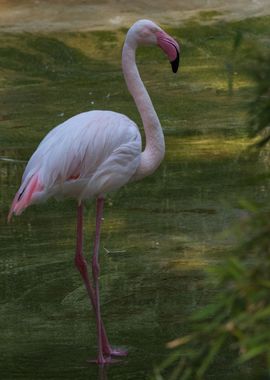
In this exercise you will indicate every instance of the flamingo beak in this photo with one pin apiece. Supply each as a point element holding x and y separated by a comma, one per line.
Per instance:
<point>170,47</point>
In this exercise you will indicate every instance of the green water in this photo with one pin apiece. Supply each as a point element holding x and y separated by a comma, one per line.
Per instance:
<point>158,235</point>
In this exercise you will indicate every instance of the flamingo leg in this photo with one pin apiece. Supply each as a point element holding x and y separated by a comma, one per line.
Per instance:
<point>96,272</point>
<point>81,264</point>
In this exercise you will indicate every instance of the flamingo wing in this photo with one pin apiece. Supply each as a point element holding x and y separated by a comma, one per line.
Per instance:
<point>87,155</point>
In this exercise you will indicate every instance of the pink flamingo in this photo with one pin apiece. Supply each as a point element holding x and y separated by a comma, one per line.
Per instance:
<point>96,152</point>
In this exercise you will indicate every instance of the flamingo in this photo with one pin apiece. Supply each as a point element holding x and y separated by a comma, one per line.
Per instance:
<point>96,152</point>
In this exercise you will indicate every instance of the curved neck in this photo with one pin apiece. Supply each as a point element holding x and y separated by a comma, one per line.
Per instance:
<point>155,146</point>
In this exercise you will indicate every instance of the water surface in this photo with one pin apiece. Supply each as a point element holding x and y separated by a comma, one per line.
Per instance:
<point>158,235</point>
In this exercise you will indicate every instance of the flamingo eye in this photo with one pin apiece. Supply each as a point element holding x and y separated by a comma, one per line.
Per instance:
<point>145,32</point>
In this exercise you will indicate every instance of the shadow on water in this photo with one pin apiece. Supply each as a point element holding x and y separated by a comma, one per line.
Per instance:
<point>158,236</point>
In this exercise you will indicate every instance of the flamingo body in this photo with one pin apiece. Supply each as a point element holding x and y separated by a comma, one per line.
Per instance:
<point>88,155</point>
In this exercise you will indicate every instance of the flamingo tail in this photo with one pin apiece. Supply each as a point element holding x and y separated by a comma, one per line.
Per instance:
<point>24,196</point>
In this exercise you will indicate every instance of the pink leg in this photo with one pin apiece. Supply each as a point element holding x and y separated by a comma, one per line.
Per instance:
<point>81,264</point>
<point>96,271</point>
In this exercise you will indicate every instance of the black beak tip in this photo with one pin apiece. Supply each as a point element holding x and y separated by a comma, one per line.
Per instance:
<point>175,63</point>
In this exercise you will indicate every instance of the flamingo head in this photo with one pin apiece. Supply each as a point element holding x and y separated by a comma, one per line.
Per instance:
<point>146,32</point>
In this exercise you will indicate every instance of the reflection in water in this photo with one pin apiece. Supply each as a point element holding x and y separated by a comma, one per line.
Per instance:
<point>103,373</point>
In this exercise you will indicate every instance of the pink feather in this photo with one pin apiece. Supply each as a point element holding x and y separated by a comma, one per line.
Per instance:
<point>23,197</point>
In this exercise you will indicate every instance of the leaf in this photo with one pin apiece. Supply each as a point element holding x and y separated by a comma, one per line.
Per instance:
<point>263,313</point>
<point>257,339</point>
<point>247,319</point>
<point>235,268</point>
<point>186,374</point>
<point>157,374</point>
<point>178,369</point>
<point>252,353</point>
<point>208,311</point>
<point>179,341</point>
<point>170,359</point>
<point>211,355</point>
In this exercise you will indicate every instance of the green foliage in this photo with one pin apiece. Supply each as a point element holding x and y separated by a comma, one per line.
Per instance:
<point>238,319</point>
<point>235,326</point>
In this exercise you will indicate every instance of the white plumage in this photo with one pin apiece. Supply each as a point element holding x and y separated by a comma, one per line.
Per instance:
<point>87,155</point>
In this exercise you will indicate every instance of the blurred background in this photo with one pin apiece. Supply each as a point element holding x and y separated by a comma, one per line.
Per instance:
<point>71,15</point>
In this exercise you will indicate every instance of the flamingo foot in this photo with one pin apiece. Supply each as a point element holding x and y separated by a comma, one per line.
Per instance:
<point>101,360</point>
<point>117,352</point>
